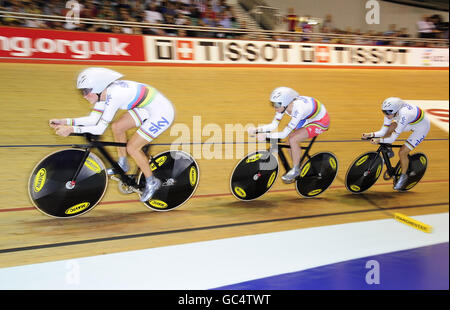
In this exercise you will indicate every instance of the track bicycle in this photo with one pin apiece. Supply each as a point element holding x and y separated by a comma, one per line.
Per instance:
<point>366,169</point>
<point>256,173</point>
<point>71,182</point>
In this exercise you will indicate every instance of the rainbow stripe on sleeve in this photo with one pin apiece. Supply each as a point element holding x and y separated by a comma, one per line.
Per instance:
<point>419,117</point>
<point>144,95</point>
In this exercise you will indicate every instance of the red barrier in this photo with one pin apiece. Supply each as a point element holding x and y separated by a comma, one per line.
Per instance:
<point>27,43</point>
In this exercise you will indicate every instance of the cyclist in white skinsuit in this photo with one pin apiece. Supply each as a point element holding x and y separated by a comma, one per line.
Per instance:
<point>147,109</point>
<point>400,117</point>
<point>309,118</point>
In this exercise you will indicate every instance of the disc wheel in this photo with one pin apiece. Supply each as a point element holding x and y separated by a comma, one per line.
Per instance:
<point>179,174</point>
<point>254,175</point>
<point>364,172</point>
<point>49,185</point>
<point>418,163</point>
<point>317,174</point>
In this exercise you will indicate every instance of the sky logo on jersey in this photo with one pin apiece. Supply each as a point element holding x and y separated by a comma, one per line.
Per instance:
<point>161,124</point>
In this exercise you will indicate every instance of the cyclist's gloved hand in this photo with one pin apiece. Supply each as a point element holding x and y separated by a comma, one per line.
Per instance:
<point>367,136</point>
<point>55,122</point>
<point>252,131</point>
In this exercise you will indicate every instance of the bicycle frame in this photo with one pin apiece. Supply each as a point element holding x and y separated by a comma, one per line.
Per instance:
<point>278,147</point>
<point>100,146</point>
<point>383,149</point>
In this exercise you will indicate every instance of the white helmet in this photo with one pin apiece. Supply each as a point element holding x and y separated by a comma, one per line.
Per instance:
<point>282,96</point>
<point>96,79</point>
<point>391,105</point>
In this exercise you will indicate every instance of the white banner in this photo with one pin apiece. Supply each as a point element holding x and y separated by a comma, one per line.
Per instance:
<point>221,51</point>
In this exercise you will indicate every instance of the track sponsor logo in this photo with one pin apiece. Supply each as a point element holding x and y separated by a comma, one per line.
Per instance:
<point>413,223</point>
<point>163,49</point>
<point>50,44</point>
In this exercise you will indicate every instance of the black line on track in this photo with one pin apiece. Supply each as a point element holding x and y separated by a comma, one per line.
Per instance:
<point>79,242</point>
<point>195,143</point>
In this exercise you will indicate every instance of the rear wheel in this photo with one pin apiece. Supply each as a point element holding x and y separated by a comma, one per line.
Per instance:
<point>418,163</point>
<point>179,174</point>
<point>317,174</point>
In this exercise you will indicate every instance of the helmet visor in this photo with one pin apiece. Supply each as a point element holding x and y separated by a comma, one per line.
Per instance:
<point>86,91</point>
<point>276,105</point>
<point>388,112</point>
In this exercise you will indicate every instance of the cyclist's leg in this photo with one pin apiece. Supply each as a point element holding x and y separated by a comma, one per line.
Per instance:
<point>295,138</point>
<point>159,120</point>
<point>418,135</point>
<point>119,129</point>
<point>300,134</point>
<point>134,148</point>
<point>404,160</point>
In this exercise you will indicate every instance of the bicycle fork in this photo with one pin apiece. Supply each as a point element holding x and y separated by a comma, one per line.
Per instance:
<point>71,184</point>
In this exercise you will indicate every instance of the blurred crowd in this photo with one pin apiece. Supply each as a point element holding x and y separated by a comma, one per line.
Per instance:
<point>430,27</point>
<point>203,13</point>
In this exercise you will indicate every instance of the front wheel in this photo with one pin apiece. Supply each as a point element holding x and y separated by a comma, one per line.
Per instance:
<point>317,174</point>
<point>52,193</point>
<point>364,172</point>
<point>254,175</point>
<point>179,174</point>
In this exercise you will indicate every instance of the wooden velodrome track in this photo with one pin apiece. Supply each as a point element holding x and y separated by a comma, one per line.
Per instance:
<point>31,94</point>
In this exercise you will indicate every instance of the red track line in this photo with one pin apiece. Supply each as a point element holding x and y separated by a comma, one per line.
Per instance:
<point>212,195</point>
<point>215,65</point>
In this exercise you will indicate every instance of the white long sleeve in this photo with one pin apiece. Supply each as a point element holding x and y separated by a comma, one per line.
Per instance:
<point>390,139</point>
<point>97,129</point>
<point>269,127</point>
<point>384,129</point>
<point>91,119</point>
<point>280,134</point>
